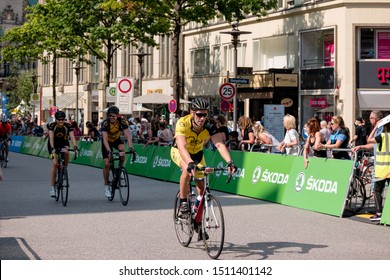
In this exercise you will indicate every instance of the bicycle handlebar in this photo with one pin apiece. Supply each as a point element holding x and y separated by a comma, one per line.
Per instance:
<point>59,150</point>
<point>123,153</point>
<point>210,170</point>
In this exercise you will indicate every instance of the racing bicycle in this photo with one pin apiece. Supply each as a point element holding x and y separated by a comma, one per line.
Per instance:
<point>207,219</point>
<point>61,184</point>
<point>3,156</point>
<point>118,178</point>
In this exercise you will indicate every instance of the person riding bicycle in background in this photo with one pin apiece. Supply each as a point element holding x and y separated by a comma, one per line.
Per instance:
<point>111,136</point>
<point>59,133</point>
<point>187,151</point>
<point>5,133</point>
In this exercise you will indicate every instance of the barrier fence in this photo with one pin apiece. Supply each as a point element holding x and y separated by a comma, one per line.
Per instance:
<point>279,178</point>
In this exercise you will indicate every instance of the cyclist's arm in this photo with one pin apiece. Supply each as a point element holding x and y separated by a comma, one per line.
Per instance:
<point>72,138</point>
<point>217,140</point>
<point>51,139</point>
<point>129,138</point>
<point>105,140</point>
<point>182,147</point>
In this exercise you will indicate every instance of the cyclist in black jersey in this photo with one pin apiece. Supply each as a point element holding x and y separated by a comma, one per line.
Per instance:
<point>112,127</point>
<point>59,134</point>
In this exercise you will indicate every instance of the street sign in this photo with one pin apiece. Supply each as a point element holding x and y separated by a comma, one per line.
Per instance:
<point>124,95</point>
<point>225,105</point>
<point>227,91</point>
<point>172,106</point>
<point>239,81</point>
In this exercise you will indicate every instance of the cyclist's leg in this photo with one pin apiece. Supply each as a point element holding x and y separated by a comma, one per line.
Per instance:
<point>184,180</point>
<point>199,177</point>
<point>53,173</point>
<point>121,148</point>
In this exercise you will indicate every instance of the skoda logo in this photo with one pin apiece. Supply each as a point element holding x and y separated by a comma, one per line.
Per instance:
<point>256,174</point>
<point>220,165</point>
<point>299,181</point>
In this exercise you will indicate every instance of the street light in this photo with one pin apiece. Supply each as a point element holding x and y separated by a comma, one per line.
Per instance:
<point>141,54</point>
<point>77,69</point>
<point>235,33</point>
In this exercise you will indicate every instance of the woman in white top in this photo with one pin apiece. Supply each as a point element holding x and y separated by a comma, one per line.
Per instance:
<point>290,142</point>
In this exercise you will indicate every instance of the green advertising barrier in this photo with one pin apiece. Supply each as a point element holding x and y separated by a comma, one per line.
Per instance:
<point>161,165</point>
<point>28,144</point>
<point>44,152</point>
<point>322,187</point>
<point>87,153</point>
<point>142,162</point>
<point>386,210</point>
<point>259,175</point>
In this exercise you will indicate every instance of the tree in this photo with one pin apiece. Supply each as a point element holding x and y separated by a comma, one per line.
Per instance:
<point>181,12</point>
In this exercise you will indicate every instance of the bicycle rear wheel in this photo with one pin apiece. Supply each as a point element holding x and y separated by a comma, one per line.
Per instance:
<point>356,195</point>
<point>367,181</point>
<point>213,226</point>
<point>3,158</point>
<point>124,188</point>
<point>183,227</point>
<point>65,186</point>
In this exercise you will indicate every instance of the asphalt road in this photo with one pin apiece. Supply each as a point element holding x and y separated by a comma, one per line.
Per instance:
<point>35,226</point>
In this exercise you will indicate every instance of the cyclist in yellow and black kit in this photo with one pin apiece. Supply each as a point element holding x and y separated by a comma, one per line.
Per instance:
<point>112,127</point>
<point>59,134</point>
<point>187,151</point>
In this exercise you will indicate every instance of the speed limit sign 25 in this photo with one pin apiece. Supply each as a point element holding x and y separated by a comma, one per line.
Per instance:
<point>227,91</point>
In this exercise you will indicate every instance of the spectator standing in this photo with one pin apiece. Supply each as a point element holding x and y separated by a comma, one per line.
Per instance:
<point>314,141</point>
<point>325,130</point>
<point>76,130</point>
<point>339,139</point>
<point>247,135</point>
<point>220,121</point>
<point>233,143</point>
<point>291,138</point>
<point>262,136</point>
<point>382,166</point>
<point>93,133</point>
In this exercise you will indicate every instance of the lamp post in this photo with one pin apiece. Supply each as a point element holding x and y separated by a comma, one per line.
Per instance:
<point>235,33</point>
<point>77,69</point>
<point>141,58</point>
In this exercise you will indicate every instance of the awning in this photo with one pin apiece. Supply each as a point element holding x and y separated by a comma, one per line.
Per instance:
<point>64,101</point>
<point>373,99</point>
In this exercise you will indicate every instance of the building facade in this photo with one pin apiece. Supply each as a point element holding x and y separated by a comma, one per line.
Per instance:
<point>315,57</point>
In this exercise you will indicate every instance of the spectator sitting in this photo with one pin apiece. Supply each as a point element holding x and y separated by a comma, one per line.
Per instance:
<point>93,133</point>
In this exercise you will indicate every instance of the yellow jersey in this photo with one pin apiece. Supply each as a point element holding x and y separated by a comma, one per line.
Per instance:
<point>194,140</point>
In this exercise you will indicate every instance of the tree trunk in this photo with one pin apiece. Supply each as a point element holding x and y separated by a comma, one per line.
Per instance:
<point>176,79</point>
<point>54,79</point>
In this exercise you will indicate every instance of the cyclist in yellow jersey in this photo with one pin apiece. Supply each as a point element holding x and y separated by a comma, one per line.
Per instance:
<point>187,152</point>
<point>112,128</point>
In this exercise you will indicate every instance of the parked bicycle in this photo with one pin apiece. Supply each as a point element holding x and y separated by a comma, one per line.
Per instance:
<point>207,219</point>
<point>61,184</point>
<point>118,177</point>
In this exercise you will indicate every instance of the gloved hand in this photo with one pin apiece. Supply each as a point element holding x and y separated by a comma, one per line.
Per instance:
<point>191,166</point>
<point>233,168</point>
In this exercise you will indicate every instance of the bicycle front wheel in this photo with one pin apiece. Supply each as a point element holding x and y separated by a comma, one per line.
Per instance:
<point>213,226</point>
<point>356,195</point>
<point>65,186</point>
<point>3,159</point>
<point>113,183</point>
<point>124,188</point>
<point>183,227</point>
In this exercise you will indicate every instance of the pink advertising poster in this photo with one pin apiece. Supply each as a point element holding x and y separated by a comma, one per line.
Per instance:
<point>383,44</point>
<point>328,50</point>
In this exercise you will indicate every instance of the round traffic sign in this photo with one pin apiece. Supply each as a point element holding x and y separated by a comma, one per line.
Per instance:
<point>172,106</point>
<point>227,91</point>
<point>225,105</point>
<point>124,85</point>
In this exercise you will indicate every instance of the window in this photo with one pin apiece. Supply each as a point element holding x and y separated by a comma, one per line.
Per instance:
<point>317,49</point>
<point>275,52</point>
<point>165,56</point>
<point>317,59</point>
<point>68,71</point>
<point>228,57</point>
<point>200,61</point>
<point>46,71</point>
<point>216,60</point>
<point>95,70</point>
<point>148,63</point>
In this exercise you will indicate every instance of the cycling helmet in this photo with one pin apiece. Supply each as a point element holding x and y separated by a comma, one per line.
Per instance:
<point>59,115</point>
<point>113,110</point>
<point>4,119</point>
<point>200,104</point>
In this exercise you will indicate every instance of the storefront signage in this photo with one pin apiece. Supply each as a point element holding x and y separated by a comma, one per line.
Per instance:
<point>383,44</point>
<point>373,75</point>
<point>286,80</point>
<point>320,102</point>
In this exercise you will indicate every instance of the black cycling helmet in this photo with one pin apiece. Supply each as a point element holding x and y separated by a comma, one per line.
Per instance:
<point>59,115</point>
<point>113,110</point>
<point>200,104</point>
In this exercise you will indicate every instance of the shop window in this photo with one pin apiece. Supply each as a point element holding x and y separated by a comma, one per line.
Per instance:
<point>367,43</point>
<point>319,106</point>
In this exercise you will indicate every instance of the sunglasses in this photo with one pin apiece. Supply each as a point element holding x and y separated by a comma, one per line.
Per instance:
<point>201,115</point>
<point>112,116</point>
<point>331,123</point>
<point>60,120</point>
